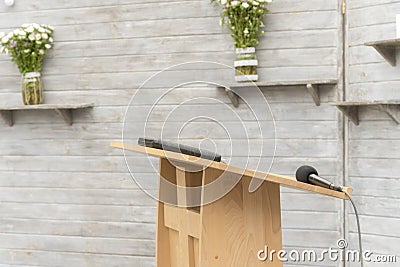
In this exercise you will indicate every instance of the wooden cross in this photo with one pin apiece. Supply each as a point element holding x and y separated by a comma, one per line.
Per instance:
<point>184,221</point>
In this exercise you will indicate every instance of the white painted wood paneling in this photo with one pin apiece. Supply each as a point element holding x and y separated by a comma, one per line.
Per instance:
<point>66,197</point>
<point>373,159</point>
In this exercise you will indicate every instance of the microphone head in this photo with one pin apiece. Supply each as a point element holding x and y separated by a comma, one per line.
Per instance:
<point>304,172</point>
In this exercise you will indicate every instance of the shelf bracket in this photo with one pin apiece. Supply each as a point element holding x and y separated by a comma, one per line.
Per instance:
<point>7,116</point>
<point>313,90</point>
<point>387,52</point>
<point>351,112</point>
<point>66,114</point>
<point>233,97</point>
<point>392,111</point>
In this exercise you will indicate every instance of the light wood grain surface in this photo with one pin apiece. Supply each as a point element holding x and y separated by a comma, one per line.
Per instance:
<point>280,179</point>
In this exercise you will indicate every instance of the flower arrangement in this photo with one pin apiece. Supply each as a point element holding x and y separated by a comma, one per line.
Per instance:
<point>245,20</point>
<point>28,46</point>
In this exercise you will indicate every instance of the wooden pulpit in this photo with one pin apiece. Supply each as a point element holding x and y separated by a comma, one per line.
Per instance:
<point>228,232</point>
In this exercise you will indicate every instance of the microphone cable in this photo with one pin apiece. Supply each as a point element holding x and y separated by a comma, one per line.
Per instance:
<point>358,227</point>
<point>308,174</point>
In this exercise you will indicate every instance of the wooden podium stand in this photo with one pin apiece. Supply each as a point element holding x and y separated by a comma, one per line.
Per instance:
<point>228,232</point>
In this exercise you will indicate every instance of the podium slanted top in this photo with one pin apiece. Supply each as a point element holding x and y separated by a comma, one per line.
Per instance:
<point>269,177</point>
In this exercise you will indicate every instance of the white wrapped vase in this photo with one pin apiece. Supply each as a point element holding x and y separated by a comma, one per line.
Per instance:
<point>246,64</point>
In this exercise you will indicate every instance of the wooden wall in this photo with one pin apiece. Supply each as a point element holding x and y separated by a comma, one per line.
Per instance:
<point>372,146</point>
<point>66,198</point>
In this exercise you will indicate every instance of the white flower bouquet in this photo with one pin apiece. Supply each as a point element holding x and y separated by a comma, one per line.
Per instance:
<point>245,20</point>
<point>27,47</point>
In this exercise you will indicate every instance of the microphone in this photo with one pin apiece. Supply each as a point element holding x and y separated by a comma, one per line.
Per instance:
<point>308,174</point>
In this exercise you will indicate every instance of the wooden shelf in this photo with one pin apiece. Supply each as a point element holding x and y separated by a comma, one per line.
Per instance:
<point>350,109</point>
<point>387,49</point>
<point>311,86</point>
<point>64,110</point>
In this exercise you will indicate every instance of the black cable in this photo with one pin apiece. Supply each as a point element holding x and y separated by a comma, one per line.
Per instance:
<point>358,227</point>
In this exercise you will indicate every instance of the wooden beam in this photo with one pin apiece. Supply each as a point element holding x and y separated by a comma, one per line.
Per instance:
<point>366,103</point>
<point>233,97</point>
<point>351,112</point>
<point>47,106</point>
<point>311,85</point>
<point>64,110</point>
<point>283,83</point>
<point>350,109</point>
<point>386,48</point>
<point>7,116</point>
<point>66,114</point>
<point>181,187</point>
<point>387,52</point>
<point>189,221</point>
<point>392,111</point>
<point>183,221</point>
<point>314,92</point>
<point>163,249</point>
